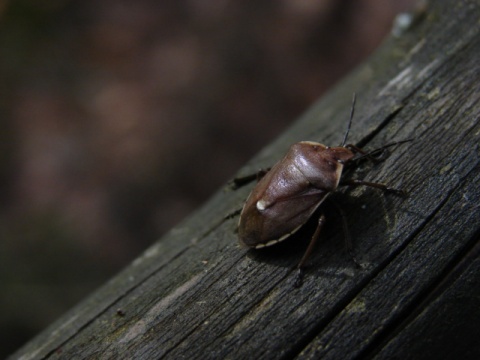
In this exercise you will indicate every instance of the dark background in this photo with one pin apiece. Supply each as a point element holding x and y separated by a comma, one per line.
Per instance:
<point>118,118</point>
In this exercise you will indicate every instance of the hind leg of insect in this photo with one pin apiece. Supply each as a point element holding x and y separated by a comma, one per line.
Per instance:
<point>308,252</point>
<point>383,187</point>
<point>232,214</point>
<point>238,182</point>
<point>244,180</point>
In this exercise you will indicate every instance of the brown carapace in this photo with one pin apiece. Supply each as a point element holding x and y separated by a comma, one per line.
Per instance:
<point>288,194</point>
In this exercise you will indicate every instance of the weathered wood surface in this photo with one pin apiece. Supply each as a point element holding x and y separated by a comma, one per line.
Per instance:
<point>195,294</point>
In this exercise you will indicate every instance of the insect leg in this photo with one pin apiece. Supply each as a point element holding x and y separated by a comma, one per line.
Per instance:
<point>244,180</point>
<point>383,187</point>
<point>232,214</point>
<point>368,155</point>
<point>308,252</point>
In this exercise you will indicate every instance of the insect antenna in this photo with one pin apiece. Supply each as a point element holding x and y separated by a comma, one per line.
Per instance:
<point>350,121</point>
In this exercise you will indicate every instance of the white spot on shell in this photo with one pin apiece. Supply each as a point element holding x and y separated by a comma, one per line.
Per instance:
<point>261,205</point>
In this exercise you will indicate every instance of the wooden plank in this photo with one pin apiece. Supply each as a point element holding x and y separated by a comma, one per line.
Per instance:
<point>196,294</point>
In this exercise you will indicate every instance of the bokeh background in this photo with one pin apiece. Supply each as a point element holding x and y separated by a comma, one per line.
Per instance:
<point>118,118</point>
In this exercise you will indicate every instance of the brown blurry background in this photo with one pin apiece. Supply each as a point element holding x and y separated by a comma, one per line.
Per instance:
<point>118,118</point>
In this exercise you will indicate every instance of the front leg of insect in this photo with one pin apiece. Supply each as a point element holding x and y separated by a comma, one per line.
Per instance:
<point>294,188</point>
<point>383,187</point>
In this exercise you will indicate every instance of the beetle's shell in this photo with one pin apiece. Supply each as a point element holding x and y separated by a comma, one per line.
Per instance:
<point>284,199</point>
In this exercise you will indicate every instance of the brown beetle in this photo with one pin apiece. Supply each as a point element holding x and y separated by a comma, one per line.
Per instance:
<point>292,190</point>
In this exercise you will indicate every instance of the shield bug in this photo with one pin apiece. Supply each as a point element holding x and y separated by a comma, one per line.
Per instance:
<point>289,193</point>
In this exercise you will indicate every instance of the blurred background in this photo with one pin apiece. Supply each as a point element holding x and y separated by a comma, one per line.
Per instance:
<point>118,118</point>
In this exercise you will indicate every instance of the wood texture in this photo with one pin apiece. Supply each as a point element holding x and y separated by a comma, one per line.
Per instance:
<point>195,294</point>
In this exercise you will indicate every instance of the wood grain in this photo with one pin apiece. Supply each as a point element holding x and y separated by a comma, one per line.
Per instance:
<point>196,294</point>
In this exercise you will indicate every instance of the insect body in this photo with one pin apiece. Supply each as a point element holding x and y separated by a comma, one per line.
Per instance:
<point>294,188</point>
<point>286,197</point>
